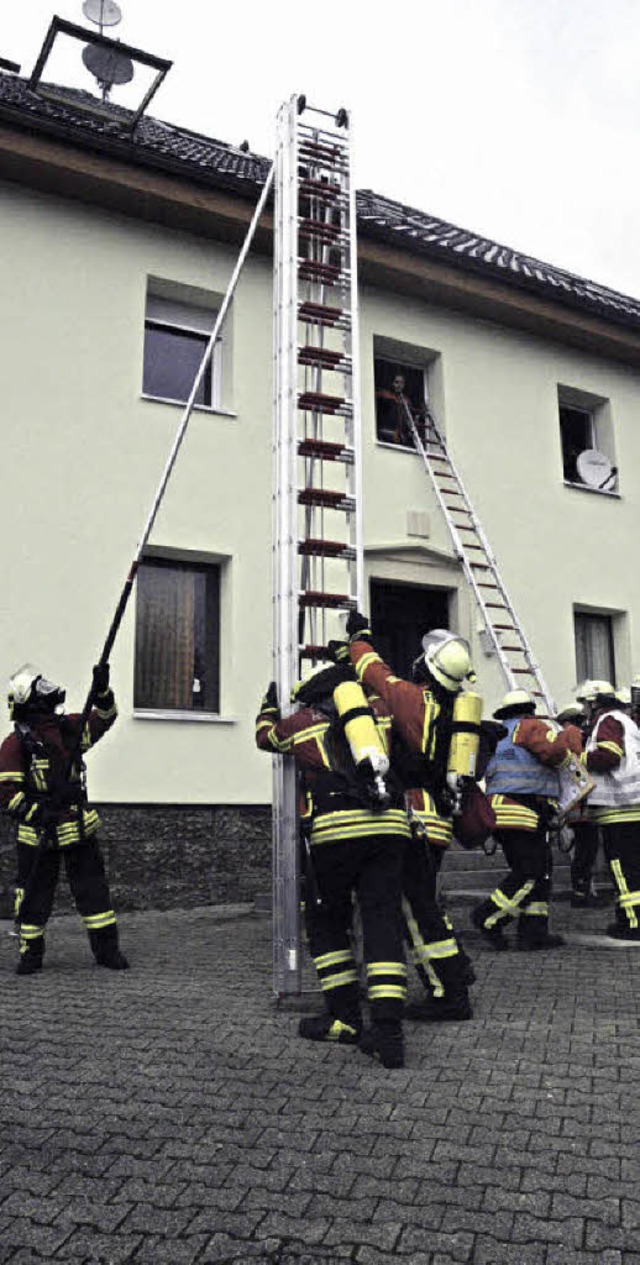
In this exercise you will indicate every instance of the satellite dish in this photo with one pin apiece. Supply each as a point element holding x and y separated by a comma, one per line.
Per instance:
<point>594,468</point>
<point>107,66</point>
<point>102,12</point>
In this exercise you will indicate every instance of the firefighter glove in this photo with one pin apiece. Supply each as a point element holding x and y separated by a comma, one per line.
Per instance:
<point>338,651</point>
<point>270,701</point>
<point>358,627</point>
<point>100,679</point>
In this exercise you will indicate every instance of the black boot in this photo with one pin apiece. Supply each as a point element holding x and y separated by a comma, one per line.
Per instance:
<point>493,935</point>
<point>532,939</point>
<point>384,1042</point>
<point>30,960</point>
<point>452,1007</point>
<point>106,951</point>
<point>326,1028</point>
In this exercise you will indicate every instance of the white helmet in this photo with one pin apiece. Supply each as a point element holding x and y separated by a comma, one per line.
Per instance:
<point>591,691</point>
<point>447,658</point>
<point>29,689</point>
<point>515,703</point>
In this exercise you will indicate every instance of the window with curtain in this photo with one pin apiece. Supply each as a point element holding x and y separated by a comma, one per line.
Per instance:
<point>177,648</point>
<point>175,339</point>
<point>594,647</point>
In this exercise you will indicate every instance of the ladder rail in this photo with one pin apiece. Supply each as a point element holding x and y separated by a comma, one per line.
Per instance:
<point>491,563</point>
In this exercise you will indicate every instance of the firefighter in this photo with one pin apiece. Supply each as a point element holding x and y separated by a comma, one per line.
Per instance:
<point>612,757</point>
<point>522,786</point>
<point>42,790</point>
<point>422,711</point>
<point>357,831</point>
<point>586,835</point>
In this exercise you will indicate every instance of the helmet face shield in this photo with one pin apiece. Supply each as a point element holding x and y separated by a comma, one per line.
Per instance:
<point>29,691</point>
<point>447,658</point>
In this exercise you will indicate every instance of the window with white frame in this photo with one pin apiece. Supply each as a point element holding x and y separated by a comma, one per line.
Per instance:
<point>594,641</point>
<point>399,387</point>
<point>177,638</point>
<point>176,335</point>
<point>586,440</point>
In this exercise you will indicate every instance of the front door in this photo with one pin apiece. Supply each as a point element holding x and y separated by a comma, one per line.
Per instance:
<point>400,616</point>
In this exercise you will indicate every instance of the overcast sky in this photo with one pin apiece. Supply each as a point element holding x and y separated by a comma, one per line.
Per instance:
<point>518,119</point>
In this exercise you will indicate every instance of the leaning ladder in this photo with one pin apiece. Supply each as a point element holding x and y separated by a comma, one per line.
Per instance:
<point>317,535</point>
<point>503,627</point>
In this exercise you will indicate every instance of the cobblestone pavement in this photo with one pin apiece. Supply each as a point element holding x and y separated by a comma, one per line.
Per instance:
<point>171,1113</point>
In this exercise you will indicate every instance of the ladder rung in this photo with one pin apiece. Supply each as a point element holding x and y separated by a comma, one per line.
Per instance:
<point>321,356</point>
<point>325,549</point>
<point>324,190</point>
<point>314,598</point>
<point>321,313</point>
<point>313,270</point>
<point>517,649</point>
<point>321,403</point>
<point>324,450</point>
<point>524,671</point>
<point>317,230</point>
<point>319,150</point>
<point>312,652</point>
<point>326,499</point>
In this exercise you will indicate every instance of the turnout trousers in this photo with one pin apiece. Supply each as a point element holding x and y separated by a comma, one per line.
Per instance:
<point>38,871</point>
<point>434,948</point>
<point>369,868</point>
<point>524,892</point>
<point>621,844</point>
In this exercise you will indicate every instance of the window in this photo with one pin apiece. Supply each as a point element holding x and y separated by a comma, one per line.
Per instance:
<point>594,647</point>
<point>175,337</point>
<point>177,651</point>
<point>586,440</point>
<point>399,386</point>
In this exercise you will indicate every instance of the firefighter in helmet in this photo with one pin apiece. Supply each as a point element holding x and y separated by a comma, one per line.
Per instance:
<point>612,756</point>
<point>585,832</point>
<point>42,789</point>
<point>522,786</point>
<point>357,831</point>
<point>422,711</point>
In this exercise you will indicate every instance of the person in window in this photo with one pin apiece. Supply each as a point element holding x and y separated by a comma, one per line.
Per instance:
<point>612,756</point>
<point>393,426</point>
<point>42,789</point>
<point>522,785</point>
<point>357,832</point>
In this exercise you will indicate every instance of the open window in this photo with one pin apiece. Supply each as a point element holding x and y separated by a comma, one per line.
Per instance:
<point>176,334</point>
<point>177,641</point>
<point>400,388</point>
<point>586,439</point>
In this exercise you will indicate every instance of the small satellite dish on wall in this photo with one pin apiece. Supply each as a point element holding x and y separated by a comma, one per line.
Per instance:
<point>102,12</point>
<point>594,468</point>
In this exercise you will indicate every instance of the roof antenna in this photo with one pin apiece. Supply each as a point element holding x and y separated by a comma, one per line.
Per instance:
<point>106,66</point>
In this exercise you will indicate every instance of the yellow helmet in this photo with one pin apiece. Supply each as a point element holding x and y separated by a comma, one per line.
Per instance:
<point>591,691</point>
<point>515,703</point>
<point>447,658</point>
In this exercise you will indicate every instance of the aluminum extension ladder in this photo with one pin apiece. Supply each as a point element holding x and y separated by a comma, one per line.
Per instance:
<point>520,669</point>
<point>317,497</point>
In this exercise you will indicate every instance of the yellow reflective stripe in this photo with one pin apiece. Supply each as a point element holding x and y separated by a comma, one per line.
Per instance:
<point>386,968</point>
<point>611,746</point>
<point>630,898</point>
<point>17,900</point>
<point>105,713</point>
<point>365,662</point>
<point>332,959</point>
<point>536,908</point>
<point>615,816</point>
<point>508,907</point>
<point>623,889</point>
<point>441,948</point>
<point>31,931</point>
<point>94,922</point>
<point>377,991</point>
<point>12,777</point>
<point>15,801</point>
<point>337,981</point>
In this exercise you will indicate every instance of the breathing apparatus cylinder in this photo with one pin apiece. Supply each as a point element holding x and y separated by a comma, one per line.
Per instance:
<point>361,732</point>
<point>465,741</point>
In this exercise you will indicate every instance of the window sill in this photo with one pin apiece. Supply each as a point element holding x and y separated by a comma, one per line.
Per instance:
<point>584,487</point>
<point>382,443</point>
<point>200,718</point>
<point>197,408</point>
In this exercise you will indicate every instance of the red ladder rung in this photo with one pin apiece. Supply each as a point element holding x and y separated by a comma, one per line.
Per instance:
<point>321,189</point>
<point>320,356</point>
<point>326,498</point>
<point>325,548</point>
<point>320,313</point>
<point>312,270</point>
<point>318,230</point>
<point>320,402</point>
<point>324,450</point>
<point>315,598</point>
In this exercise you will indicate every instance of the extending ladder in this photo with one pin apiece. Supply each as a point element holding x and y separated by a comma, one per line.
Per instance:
<point>520,669</point>
<point>317,499</point>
